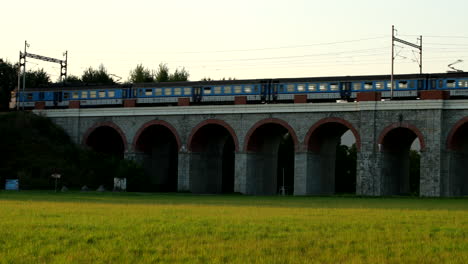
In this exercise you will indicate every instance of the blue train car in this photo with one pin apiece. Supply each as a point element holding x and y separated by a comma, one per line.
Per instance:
<point>405,86</point>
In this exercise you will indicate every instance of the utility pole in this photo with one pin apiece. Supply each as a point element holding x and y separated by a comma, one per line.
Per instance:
<point>419,47</point>
<point>22,63</point>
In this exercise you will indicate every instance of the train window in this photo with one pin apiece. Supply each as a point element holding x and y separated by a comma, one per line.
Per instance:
<point>111,93</point>
<point>389,85</point>
<point>217,89</point>
<point>281,88</point>
<point>290,88</point>
<point>312,87</point>
<point>300,87</point>
<point>248,89</point>
<point>84,94</point>
<point>256,88</point>
<point>65,95</point>
<point>187,90</point>
<point>450,83</point>
<point>168,91</point>
<point>29,96</point>
<point>368,86</point>
<point>420,84</point>
<point>158,91</point>
<point>323,86</point>
<point>227,89</point>
<point>402,84</point>
<point>92,94</point>
<point>379,85</point>
<point>75,95</point>
<point>333,87</point>
<point>148,92</point>
<point>206,90</point>
<point>102,94</point>
<point>441,83</point>
<point>41,95</point>
<point>357,86</point>
<point>462,83</point>
<point>411,84</point>
<point>238,89</point>
<point>177,91</point>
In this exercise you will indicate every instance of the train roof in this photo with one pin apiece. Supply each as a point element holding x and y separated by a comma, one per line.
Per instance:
<point>85,86</point>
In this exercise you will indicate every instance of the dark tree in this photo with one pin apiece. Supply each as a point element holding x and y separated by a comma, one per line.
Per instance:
<point>72,79</point>
<point>8,82</point>
<point>141,74</point>
<point>38,78</point>
<point>179,75</point>
<point>162,73</point>
<point>100,75</point>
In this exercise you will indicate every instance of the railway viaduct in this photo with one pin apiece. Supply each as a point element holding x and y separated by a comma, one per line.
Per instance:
<point>255,149</point>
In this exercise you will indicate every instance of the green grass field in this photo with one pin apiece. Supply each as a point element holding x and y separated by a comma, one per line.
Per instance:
<point>47,227</point>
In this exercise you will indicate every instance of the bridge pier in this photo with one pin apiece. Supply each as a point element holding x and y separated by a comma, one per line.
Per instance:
<point>240,172</point>
<point>183,179</point>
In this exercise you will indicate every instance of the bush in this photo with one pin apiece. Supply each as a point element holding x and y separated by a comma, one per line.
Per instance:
<point>33,147</point>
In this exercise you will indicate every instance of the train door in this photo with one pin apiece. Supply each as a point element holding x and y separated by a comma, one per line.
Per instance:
<point>420,85</point>
<point>345,90</point>
<point>57,98</point>
<point>274,91</point>
<point>431,83</point>
<point>197,94</point>
<point>263,91</point>
<point>127,93</point>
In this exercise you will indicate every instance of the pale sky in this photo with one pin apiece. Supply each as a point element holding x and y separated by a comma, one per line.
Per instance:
<point>242,38</point>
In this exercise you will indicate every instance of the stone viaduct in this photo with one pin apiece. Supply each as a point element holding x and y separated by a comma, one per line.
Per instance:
<point>255,149</point>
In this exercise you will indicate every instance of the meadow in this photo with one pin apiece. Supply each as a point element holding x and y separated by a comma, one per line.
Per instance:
<point>74,227</point>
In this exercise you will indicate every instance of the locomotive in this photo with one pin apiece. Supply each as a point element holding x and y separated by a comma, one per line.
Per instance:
<point>280,90</point>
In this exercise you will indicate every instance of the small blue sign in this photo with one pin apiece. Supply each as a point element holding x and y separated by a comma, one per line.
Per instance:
<point>12,185</point>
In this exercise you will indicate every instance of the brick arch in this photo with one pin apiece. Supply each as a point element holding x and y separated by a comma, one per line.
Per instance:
<point>452,143</point>
<point>271,121</point>
<point>157,123</point>
<point>106,124</point>
<point>409,126</point>
<point>215,122</point>
<point>333,120</point>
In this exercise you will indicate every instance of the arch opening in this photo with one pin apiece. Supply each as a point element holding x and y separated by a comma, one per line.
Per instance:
<point>400,162</point>
<point>108,149</point>
<point>106,140</point>
<point>212,160</point>
<point>331,165</point>
<point>458,153</point>
<point>159,149</point>
<point>271,160</point>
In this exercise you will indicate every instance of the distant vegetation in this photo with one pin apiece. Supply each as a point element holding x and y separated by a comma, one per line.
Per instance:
<point>162,74</point>
<point>33,148</point>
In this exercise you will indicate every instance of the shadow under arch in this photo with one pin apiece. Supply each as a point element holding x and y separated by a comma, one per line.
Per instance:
<point>457,148</point>
<point>328,161</point>
<point>394,144</point>
<point>157,144</point>
<point>270,145</point>
<point>106,137</point>
<point>212,145</point>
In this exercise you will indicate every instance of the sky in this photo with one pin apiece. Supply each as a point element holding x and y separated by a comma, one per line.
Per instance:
<point>242,39</point>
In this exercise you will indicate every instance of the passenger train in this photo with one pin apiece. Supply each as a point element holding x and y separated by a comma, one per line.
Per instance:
<point>282,90</point>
